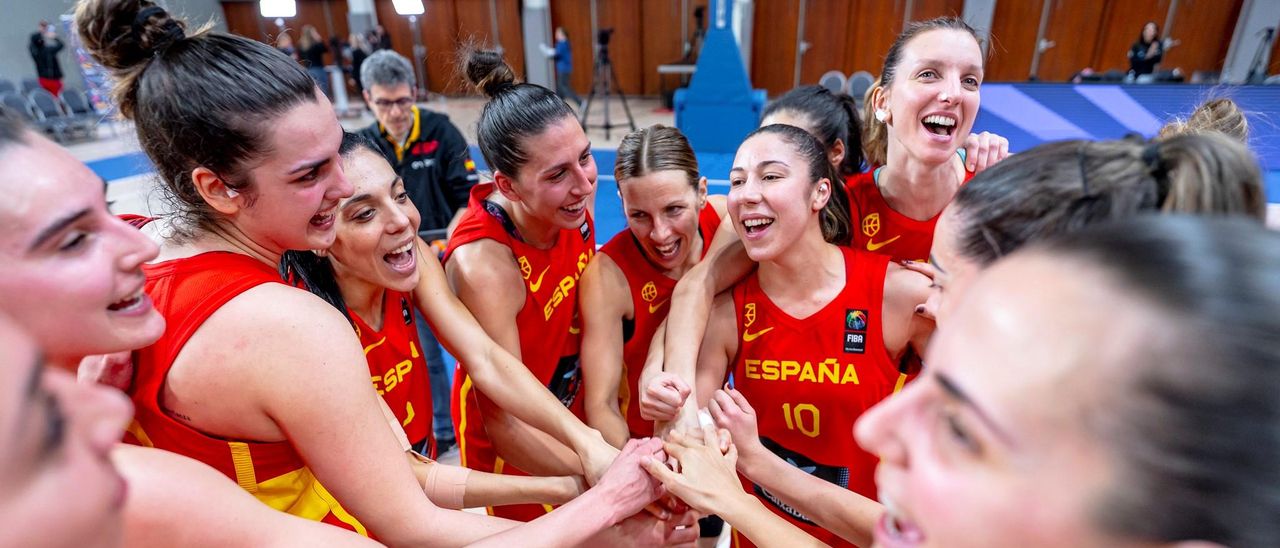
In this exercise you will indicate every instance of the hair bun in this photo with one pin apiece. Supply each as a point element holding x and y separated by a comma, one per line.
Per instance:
<point>488,72</point>
<point>125,34</point>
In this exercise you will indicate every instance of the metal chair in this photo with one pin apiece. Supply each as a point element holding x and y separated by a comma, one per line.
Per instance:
<point>833,80</point>
<point>7,86</point>
<point>18,104</point>
<point>81,110</point>
<point>29,84</point>
<point>859,83</point>
<point>49,113</point>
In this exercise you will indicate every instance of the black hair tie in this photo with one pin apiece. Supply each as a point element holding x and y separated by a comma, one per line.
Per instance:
<point>1159,171</point>
<point>140,22</point>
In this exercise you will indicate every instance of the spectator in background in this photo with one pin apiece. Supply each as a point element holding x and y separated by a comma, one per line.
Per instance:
<point>44,48</point>
<point>563,57</point>
<point>284,43</point>
<point>431,155</point>
<point>311,50</point>
<point>379,39</point>
<point>359,52</point>
<point>1146,53</point>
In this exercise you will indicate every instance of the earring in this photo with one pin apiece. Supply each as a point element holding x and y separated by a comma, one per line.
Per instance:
<point>231,192</point>
<point>881,114</point>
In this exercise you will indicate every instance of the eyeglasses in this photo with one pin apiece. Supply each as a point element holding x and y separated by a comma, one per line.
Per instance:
<point>402,103</point>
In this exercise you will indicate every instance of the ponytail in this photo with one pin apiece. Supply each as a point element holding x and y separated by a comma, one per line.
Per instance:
<point>307,270</point>
<point>1206,173</point>
<point>830,116</point>
<point>875,137</point>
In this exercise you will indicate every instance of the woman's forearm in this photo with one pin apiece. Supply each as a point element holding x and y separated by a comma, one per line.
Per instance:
<point>766,529</point>
<point>841,511</point>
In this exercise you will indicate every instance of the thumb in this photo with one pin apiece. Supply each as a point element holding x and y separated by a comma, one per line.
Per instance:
<point>658,470</point>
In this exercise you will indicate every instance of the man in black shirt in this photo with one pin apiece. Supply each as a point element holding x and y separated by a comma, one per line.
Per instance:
<point>431,155</point>
<point>44,47</point>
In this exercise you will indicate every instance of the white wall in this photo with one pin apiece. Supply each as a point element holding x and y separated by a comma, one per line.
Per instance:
<point>21,17</point>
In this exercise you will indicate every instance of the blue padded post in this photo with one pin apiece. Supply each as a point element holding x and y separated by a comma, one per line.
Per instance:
<point>719,108</point>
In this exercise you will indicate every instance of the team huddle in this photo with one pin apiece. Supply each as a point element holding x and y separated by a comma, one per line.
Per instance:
<point>889,332</point>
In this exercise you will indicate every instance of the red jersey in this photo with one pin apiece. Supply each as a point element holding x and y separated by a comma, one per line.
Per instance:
<point>650,292</point>
<point>549,330</point>
<point>187,291</point>
<point>878,228</point>
<point>398,370</point>
<point>810,379</point>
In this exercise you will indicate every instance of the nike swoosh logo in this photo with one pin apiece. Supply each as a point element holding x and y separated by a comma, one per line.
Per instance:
<point>654,307</point>
<point>748,336</point>
<point>533,286</point>
<point>872,246</point>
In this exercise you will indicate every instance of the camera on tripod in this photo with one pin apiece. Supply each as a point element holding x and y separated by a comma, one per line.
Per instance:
<point>602,37</point>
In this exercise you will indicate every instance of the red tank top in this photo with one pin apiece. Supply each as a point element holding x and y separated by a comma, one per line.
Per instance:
<point>398,371</point>
<point>878,228</point>
<point>186,292</point>
<point>810,379</point>
<point>650,291</point>
<point>549,328</point>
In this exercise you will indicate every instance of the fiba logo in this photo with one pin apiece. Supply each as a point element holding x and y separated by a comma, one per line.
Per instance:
<point>649,292</point>
<point>871,224</point>
<point>525,269</point>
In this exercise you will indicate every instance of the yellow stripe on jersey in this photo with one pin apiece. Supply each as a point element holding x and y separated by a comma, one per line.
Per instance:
<point>367,349</point>
<point>242,459</point>
<point>902,380</point>
<point>463,394</point>
<point>137,431</point>
<point>299,493</point>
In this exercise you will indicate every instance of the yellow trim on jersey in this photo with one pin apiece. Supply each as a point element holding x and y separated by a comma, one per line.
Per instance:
<point>137,431</point>
<point>413,135</point>
<point>902,380</point>
<point>367,349</point>
<point>624,393</point>
<point>462,424</point>
<point>299,493</point>
<point>242,460</point>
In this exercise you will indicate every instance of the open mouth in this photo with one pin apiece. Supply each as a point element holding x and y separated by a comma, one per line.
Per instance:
<point>324,219</point>
<point>401,258</point>
<point>669,251</point>
<point>897,529</point>
<point>756,225</point>
<point>575,209</point>
<point>129,304</point>
<point>939,124</point>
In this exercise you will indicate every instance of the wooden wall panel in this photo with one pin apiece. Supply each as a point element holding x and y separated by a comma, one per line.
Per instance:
<point>660,40</point>
<point>1073,27</point>
<point>773,39</point>
<point>511,32</point>
<point>826,31</point>
<point>242,18</point>
<point>1013,40</point>
<point>1205,28</point>
<point>623,16</point>
<point>1122,24</point>
<point>575,17</point>
<point>873,27</point>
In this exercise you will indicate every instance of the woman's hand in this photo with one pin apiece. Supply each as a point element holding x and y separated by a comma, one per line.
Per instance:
<point>110,369</point>
<point>707,480</point>
<point>625,484</point>
<point>731,412</point>
<point>984,150</point>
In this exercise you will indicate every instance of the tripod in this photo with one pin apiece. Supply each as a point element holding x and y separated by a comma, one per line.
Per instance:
<point>1257,72</point>
<point>604,81</point>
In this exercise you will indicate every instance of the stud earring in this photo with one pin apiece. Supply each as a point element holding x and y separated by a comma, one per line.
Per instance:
<point>881,114</point>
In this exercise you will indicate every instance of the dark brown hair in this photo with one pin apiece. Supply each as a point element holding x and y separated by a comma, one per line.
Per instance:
<point>834,217</point>
<point>202,100</point>
<point>1062,187</point>
<point>514,112</point>
<point>833,116</point>
<point>1192,420</point>
<point>655,148</point>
